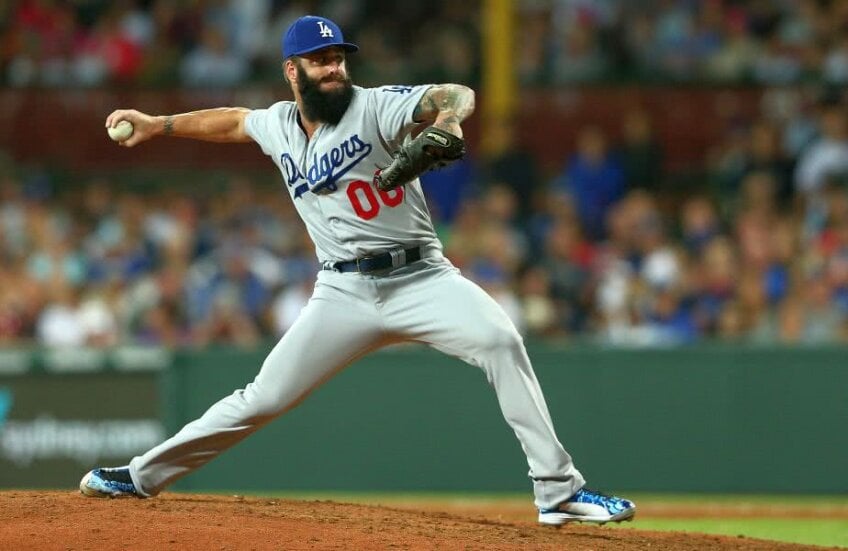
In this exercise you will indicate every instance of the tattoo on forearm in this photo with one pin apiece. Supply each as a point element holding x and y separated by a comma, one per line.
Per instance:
<point>169,125</point>
<point>457,100</point>
<point>448,98</point>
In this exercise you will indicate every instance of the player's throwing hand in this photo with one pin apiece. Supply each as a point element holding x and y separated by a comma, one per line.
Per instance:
<point>144,126</point>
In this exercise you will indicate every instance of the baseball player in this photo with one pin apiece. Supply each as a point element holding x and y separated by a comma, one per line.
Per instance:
<point>349,160</point>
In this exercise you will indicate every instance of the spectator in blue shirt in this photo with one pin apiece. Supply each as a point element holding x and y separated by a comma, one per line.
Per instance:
<point>595,179</point>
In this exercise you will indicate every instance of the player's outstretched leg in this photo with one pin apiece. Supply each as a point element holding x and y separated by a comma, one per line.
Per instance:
<point>293,369</point>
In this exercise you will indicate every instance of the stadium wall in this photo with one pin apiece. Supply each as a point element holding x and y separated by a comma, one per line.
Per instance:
<point>710,419</point>
<point>64,411</point>
<point>706,419</point>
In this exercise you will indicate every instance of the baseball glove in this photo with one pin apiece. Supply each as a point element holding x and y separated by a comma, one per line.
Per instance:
<point>433,148</point>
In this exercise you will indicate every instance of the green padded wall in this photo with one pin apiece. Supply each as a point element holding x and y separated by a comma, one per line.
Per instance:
<point>711,418</point>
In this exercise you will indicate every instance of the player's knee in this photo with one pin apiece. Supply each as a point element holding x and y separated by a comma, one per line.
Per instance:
<point>260,404</point>
<point>264,404</point>
<point>266,409</point>
<point>499,337</point>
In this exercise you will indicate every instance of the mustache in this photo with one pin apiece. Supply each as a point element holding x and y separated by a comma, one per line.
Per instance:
<point>340,78</point>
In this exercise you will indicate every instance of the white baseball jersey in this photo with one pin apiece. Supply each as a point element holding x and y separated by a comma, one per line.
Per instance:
<point>330,175</point>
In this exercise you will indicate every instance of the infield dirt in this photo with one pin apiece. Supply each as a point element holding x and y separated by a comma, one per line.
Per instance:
<point>68,521</point>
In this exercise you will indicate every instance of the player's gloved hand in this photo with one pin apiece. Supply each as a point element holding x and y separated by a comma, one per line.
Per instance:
<point>433,148</point>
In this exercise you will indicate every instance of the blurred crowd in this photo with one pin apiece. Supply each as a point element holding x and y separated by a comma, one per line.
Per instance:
<point>230,42</point>
<point>98,265</point>
<point>57,43</point>
<point>756,251</point>
<point>760,41</point>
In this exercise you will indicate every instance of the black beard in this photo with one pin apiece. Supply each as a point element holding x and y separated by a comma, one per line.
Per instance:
<point>327,107</point>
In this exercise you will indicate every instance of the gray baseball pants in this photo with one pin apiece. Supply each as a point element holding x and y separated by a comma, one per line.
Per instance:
<point>429,302</point>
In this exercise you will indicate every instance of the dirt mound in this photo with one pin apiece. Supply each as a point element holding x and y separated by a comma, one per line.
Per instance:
<point>67,521</point>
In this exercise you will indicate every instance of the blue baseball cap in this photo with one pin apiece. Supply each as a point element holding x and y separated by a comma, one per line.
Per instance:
<point>311,33</point>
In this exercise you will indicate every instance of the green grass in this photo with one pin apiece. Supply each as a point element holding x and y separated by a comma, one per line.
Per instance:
<point>828,532</point>
<point>757,499</point>
<point>810,531</point>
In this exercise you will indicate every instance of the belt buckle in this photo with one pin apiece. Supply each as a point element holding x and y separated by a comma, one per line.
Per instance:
<point>359,262</point>
<point>398,257</point>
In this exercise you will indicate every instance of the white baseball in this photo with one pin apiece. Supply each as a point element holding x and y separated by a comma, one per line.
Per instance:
<point>122,131</point>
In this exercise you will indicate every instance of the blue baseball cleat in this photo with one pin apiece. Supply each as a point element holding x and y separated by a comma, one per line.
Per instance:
<point>589,506</point>
<point>108,482</point>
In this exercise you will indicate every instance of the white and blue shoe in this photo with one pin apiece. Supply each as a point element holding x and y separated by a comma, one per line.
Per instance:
<point>589,506</point>
<point>108,482</point>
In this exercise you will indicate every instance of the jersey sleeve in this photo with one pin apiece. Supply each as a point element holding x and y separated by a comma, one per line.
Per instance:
<point>264,126</point>
<point>394,106</point>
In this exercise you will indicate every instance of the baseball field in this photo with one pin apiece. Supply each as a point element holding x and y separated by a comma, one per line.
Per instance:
<point>47,520</point>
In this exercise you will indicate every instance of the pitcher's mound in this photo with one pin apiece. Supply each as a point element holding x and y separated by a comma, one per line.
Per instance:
<point>66,520</point>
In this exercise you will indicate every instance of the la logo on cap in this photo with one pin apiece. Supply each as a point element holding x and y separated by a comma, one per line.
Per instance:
<point>326,32</point>
<point>301,38</point>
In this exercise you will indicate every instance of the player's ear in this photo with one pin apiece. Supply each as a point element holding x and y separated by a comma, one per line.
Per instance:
<point>290,70</point>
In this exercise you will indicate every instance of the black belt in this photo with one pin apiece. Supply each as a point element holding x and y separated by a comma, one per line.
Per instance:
<point>382,261</point>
